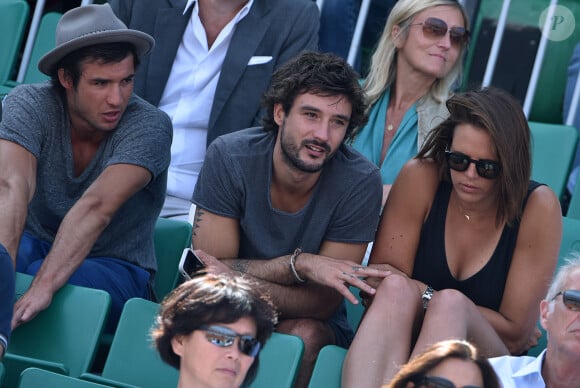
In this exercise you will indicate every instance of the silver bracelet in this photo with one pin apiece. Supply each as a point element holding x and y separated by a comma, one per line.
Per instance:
<point>293,258</point>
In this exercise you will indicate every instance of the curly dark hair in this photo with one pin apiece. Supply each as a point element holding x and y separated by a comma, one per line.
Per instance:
<point>207,300</point>
<point>323,74</point>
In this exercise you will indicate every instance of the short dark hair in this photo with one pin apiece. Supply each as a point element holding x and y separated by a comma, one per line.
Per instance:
<point>323,74</point>
<point>501,116</point>
<point>437,353</point>
<point>103,53</point>
<point>211,299</point>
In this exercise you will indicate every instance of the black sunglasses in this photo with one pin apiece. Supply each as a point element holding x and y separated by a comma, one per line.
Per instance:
<point>224,338</point>
<point>436,382</point>
<point>570,298</point>
<point>485,168</point>
<point>436,28</point>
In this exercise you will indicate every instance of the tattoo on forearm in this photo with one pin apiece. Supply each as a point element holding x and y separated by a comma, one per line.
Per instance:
<point>197,219</point>
<point>240,265</point>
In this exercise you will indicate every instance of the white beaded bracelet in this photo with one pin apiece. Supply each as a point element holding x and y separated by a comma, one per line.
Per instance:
<point>295,255</point>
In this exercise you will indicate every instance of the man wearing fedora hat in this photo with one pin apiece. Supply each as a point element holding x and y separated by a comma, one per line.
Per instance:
<point>83,167</point>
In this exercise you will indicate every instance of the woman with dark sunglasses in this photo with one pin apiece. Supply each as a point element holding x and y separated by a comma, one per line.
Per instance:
<point>417,61</point>
<point>212,328</point>
<point>470,240</point>
<point>447,364</point>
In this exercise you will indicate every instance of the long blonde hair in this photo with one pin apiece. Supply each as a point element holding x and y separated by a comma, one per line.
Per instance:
<point>383,69</point>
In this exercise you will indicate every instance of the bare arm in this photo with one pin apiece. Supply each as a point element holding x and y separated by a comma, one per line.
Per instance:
<point>535,257</point>
<point>78,232</point>
<point>17,185</point>
<point>333,266</point>
<point>406,208</point>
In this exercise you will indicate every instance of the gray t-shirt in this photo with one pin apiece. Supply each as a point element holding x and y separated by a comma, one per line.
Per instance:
<point>36,117</point>
<point>235,182</point>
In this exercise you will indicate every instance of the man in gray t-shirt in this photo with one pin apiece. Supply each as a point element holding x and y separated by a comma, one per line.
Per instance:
<point>291,205</point>
<point>83,167</point>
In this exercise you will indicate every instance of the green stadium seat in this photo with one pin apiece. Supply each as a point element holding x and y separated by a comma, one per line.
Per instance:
<point>328,368</point>
<point>63,338</point>
<point>36,378</point>
<point>13,20</point>
<point>553,150</point>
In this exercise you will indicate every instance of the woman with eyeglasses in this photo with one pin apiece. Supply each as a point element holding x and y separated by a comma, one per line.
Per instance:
<point>447,364</point>
<point>417,61</point>
<point>212,328</point>
<point>471,243</point>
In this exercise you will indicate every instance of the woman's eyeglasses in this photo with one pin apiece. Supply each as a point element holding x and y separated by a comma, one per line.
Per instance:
<point>224,338</point>
<point>485,168</point>
<point>436,382</point>
<point>436,28</point>
<point>570,298</point>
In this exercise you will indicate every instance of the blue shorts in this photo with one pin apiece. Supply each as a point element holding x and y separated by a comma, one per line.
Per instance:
<point>121,279</point>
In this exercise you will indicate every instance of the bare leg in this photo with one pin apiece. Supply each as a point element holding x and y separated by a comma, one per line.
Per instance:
<point>452,315</point>
<point>383,340</point>
<point>315,335</point>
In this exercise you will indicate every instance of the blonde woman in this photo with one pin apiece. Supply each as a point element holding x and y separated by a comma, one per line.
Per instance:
<point>417,61</point>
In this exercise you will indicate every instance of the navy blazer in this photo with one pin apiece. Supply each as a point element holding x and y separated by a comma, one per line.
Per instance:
<point>277,28</point>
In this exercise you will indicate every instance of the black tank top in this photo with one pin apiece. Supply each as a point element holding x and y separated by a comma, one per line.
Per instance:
<point>485,288</point>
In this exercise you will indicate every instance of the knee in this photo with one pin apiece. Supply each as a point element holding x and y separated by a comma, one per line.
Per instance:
<point>449,300</point>
<point>395,288</point>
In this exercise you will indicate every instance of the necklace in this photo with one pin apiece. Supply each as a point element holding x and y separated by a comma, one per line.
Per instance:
<point>389,127</point>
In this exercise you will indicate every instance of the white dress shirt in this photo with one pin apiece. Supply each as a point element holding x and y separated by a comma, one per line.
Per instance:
<point>188,98</point>
<point>519,372</point>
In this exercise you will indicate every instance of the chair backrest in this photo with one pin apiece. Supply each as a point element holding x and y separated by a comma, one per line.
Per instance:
<point>574,204</point>
<point>13,19</point>
<point>553,150</point>
<point>2,372</point>
<point>35,378</point>
<point>354,312</point>
<point>570,242</point>
<point>171,237</point>
<point>63,337</point>
<point>328,368</point>
<point>44,42</point>
<point>132,359</point>
<point>279,362</point>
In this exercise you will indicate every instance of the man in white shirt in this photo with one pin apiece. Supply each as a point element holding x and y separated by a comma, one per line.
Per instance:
<point>211,64</point>
<point>558,365</point>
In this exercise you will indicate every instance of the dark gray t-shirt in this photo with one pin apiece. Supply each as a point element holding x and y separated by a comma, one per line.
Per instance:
<point>235,182</point>
<point>36,117</point>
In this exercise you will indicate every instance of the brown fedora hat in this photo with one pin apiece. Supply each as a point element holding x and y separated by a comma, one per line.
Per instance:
<point>89,25</point>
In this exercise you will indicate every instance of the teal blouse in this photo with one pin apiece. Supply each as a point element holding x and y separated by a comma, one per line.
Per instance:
<point>369,139</point>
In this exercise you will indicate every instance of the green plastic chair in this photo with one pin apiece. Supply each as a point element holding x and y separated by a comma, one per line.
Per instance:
<point>132,360</point>
<point>574,205</point>
<point>354,312</point>
<point>570,243</point>
<point>279,362</point>
<point>36,378</point>
<point>63,338</point>
<point>171,237</point>
<point>553,150</point>
<point>44,42</point>
<point>13,19</point>
<point>328,368</point>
